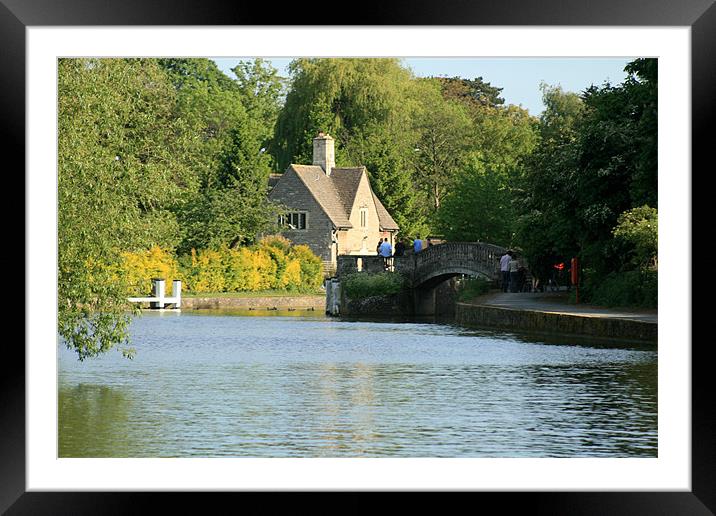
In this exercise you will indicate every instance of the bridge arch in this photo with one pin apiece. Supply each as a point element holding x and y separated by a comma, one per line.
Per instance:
<point>439,262</point>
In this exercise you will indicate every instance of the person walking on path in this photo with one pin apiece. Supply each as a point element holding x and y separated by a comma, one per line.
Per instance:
<point>514,267</point>
<point>399,248</point>
<point>386,251</point>
<point>505,269</point>
<point>417,245</point>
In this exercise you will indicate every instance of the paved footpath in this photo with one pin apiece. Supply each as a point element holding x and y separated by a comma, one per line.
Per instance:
<point>557,302</point>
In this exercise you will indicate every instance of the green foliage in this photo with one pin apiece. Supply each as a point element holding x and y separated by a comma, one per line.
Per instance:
<point>231,123</point>
<point>363,284</point>
<point>588,187</point>
<point>473,287</point>
<point>635,288</point>
<point>444,132</point>
<point>165,153</point>
<point>471,91</point>
<point>481,209</point>
<point>121,168</point>
<point>639,229</point>
<point>338,96</point>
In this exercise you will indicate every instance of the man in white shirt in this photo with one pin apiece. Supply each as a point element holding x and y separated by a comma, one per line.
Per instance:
<point>505,269</point>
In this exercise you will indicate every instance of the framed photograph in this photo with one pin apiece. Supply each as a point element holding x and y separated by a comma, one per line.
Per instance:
<point>667,467</point>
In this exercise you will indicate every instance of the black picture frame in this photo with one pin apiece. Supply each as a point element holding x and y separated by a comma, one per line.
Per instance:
<point>700,15</point>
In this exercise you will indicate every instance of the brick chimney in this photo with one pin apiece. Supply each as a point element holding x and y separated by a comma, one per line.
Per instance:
<point>323,152</point>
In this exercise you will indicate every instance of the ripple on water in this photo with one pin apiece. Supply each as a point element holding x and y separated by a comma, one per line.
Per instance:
<point>216,385</point>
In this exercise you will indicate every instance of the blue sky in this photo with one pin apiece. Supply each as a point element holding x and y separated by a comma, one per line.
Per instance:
<point>519,77</point>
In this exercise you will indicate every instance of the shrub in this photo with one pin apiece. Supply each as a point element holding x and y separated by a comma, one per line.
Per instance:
<point>138,268</point>
<point>271,264</point>
<point>472,288</point>
<point>311,267</point>
<point>239,265</point>
<point>363,284</point>
<point>207,271</point>
<point>639,229</point>
<point>638,288</point>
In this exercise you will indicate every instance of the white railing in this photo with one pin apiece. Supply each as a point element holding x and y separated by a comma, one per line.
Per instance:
<point>158,298</point>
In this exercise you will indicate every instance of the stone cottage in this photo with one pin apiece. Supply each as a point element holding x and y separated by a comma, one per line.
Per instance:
<point>332,210</point>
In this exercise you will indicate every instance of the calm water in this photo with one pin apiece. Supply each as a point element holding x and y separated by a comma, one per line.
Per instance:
<point>291,385</point>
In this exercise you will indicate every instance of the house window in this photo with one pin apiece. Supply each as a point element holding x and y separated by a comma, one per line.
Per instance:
<point>363,217</point>
<point>295,220</point>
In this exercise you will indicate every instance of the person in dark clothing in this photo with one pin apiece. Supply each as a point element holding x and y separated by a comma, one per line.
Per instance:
<point>399,248</point>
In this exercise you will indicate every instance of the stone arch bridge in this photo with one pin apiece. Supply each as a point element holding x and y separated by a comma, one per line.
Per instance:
<point>431,266</point>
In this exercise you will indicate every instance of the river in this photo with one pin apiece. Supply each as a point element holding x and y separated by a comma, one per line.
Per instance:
<point>299,384</point>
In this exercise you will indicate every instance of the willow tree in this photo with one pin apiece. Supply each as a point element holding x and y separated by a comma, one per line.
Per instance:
<point>120,169</point>
<point>367,105</point>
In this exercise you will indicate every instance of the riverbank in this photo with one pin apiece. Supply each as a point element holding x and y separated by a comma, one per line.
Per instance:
<point>551,314</point>
<point>254,302</point>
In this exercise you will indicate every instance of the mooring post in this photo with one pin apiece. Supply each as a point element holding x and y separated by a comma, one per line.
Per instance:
<point>157,291</point>
<point>176,292</point>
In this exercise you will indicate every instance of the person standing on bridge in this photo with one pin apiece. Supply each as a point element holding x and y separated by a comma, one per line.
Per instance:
<point>505,269</point>
<point>417,245</point>
<point>386,251</point>
<point>514,267</point>
<point>399,248</point>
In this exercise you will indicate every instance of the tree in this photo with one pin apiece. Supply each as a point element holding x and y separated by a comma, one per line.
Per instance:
<point>471,91</point>
<point>545,199</point>
<point>340,97</point>
<point>638,228</point>
<point>233,121</point>
<point>121,167</point>
<point>596,161</point>
<point>444,131</point>
<point>383,152</point>
<point>480,209</point>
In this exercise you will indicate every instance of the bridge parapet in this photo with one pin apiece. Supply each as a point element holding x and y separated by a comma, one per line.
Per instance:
<point>352,263</point>
<point>473,258</point>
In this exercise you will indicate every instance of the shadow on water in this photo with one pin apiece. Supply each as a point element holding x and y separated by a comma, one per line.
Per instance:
<point>503,334</point>
<point>93,421</point>
<point>492,333</point>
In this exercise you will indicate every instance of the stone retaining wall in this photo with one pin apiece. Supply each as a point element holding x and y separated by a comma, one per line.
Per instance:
<point>534,321</point>
<point>256,303</point>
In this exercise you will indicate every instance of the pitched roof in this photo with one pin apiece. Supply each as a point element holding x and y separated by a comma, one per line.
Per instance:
<point>336,193</point>
<point>324,191</point>
<point>346,182</point>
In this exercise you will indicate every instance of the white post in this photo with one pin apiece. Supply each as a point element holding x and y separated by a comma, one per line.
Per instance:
<point>158,291</point>
<point>176,292</point>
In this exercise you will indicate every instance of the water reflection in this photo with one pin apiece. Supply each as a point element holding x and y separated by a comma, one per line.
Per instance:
<point>211,385</point>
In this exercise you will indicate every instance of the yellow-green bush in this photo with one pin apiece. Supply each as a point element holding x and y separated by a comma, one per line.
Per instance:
<point>207,271</point>
<point>239,265</point>
<point>137,269</point>
<point>311,267</point>
<point>271,264</point>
